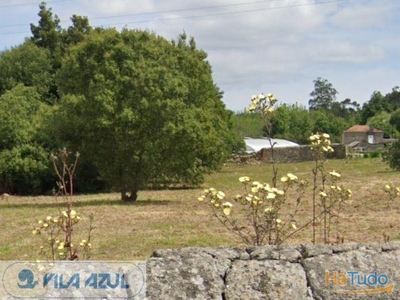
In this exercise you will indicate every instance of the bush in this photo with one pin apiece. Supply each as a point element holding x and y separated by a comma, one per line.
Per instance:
<point>24,169</point>
<point>392,156</point>
<point>373,154</point>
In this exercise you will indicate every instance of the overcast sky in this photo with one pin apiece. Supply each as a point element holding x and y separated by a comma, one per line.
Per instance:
<point>278,46</point>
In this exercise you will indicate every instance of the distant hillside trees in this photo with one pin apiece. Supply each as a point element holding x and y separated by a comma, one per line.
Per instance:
<point>326,114</point>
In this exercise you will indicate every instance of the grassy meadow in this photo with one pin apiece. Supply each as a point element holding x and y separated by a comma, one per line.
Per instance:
<point>175,218</point>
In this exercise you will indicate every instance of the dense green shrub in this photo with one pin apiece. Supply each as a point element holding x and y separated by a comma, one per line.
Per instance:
<point>392,155</point>
<point>24,170</point>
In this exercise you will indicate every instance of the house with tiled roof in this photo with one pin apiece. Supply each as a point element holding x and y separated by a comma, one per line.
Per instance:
<point>360,133</point>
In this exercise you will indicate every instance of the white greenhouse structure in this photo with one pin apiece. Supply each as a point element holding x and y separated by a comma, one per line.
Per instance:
<point>255,145</point>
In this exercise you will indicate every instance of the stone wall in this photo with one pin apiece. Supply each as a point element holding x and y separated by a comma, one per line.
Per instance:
<point>276,272</point>
<point>299,154</point>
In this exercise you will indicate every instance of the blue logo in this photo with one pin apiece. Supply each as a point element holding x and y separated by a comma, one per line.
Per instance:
<point>103,280</point>
<point>27,276</point>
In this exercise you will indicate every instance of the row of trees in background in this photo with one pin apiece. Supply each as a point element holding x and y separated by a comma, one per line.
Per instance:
<point>325,114</point>
<point>141,110</point>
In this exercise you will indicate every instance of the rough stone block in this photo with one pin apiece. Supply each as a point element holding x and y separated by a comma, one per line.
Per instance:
<point>265,279</point>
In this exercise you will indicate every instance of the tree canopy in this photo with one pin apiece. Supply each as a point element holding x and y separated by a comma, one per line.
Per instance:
<point>323,95</point>
<point>28,65</point>
<point>47,33</point>
<point>146,111</point>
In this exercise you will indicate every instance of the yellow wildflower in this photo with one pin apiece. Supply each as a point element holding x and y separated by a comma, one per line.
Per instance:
<point>227,206</point>
<point>269,110</point>
<point>284,179</point>
<point>325,135</point>
<point>269,209</point>
<point>335,174</point>
<point>220,195</point>
<point>244,179</point>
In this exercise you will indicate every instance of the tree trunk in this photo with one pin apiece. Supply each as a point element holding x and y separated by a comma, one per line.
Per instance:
<point>129,196</point>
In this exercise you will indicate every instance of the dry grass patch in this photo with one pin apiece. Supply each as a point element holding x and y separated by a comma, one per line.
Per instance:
<point>174,218</point>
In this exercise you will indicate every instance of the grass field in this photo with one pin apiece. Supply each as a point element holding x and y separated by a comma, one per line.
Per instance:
<point>174,218</point>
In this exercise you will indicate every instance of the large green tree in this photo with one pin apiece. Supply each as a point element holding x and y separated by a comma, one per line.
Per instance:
<point>145,110</point>
<point>323,95</point>
<point>47,34</point>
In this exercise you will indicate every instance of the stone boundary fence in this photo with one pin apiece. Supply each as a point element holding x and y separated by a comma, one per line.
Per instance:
<point>346,271</point>
<point>299,153</point>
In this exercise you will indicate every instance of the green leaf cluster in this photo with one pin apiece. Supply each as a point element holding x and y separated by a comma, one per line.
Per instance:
<point>24,164</point>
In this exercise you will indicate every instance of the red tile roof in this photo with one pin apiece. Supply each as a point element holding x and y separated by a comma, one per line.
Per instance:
<point>363,128</point>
